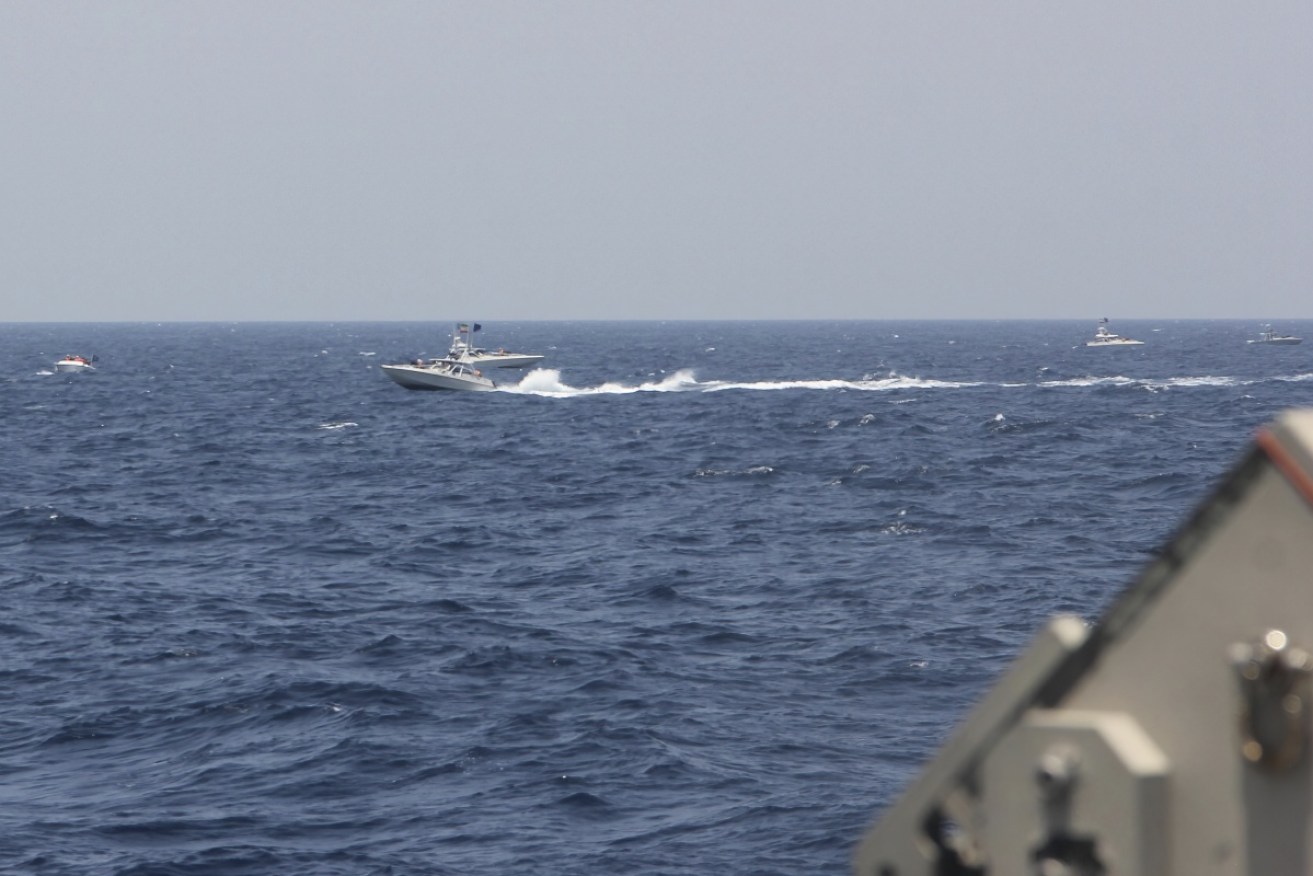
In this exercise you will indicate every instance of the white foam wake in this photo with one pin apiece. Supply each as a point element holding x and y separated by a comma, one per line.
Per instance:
<point>548,382</point>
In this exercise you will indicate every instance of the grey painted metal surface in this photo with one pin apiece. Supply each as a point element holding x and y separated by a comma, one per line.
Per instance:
<point>1169,738</point>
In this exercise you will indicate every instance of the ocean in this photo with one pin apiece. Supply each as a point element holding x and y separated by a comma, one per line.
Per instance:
<point>688,598</point>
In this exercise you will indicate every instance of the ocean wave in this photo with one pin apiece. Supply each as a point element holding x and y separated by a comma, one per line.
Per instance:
<point>708,624</point>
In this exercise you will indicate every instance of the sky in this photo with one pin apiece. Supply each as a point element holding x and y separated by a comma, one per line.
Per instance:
<point>655,159</point>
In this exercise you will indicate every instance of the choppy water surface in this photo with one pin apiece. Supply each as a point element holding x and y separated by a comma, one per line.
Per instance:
<point>690,598</point>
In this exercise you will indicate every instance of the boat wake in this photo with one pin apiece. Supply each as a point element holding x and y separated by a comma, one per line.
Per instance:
<point>1155,384</point>
<point>547,382</point>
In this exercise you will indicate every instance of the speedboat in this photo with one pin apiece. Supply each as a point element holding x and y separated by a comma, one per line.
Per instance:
<point>1104,338</point>
<point>1267,336</point>
<point>446,373</point>
<point>72,364</point>
<point>462,348</point>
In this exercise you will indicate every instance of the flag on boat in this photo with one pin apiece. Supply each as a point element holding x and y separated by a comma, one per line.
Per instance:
<point>464,327</point>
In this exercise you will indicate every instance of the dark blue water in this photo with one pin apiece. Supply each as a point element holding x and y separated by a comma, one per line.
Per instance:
<point>690,599</point>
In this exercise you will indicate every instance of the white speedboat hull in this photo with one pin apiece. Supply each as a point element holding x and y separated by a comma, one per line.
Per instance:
<point>73,366</point>
<point>1271,337</point>
<point>1104,338</point>
<point>438,377</point>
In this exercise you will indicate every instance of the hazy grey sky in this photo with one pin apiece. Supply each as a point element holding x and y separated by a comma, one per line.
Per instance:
<point>693,159</point>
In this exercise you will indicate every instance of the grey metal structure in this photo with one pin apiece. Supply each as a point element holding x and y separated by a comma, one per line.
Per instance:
<point>1169,739</point>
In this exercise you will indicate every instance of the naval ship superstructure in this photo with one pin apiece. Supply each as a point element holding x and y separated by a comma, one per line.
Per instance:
<point>1170,738</point>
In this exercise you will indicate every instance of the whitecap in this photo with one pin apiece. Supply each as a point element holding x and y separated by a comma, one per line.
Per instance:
<point>725,472</point>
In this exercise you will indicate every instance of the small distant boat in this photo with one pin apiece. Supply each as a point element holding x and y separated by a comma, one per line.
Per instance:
<point>1104,338</point>
<point>450,374</point>
<point>72,364</point>
<point>1267,336</point>
<point>462,348</point>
